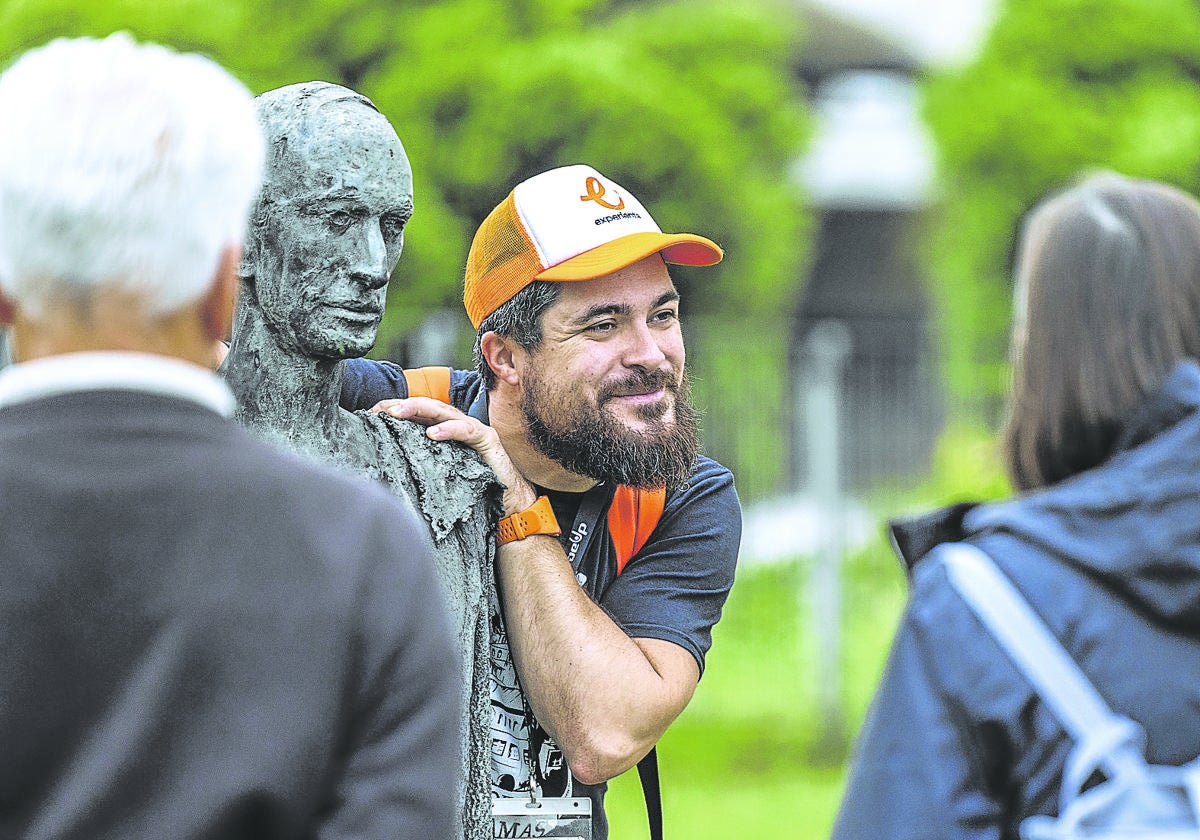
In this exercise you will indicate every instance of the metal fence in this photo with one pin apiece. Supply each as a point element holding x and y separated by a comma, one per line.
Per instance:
<point>753,383</point>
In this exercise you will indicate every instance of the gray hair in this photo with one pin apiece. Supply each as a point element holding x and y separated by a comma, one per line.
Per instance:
<point>520,319</point>
<point>122,165</point>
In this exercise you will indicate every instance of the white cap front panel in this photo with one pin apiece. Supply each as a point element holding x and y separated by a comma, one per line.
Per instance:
<point>573,209</point>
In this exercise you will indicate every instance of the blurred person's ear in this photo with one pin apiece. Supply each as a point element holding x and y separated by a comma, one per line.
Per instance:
<point>219,302</point>
<point>8,310</point>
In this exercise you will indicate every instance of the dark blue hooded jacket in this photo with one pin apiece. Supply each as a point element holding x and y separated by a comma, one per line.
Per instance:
<point>956,745</point>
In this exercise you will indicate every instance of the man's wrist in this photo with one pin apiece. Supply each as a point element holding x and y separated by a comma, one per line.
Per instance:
<point>518,497</point>
<point>538,518</point>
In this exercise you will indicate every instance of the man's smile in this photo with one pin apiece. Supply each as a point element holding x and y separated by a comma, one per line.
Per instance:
<point>639,397</point>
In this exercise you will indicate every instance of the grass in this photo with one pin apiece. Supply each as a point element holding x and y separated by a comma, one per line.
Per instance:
<point>753,755</point>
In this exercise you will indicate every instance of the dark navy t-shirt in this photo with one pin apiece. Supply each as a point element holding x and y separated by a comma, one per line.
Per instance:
<point>673,589</point>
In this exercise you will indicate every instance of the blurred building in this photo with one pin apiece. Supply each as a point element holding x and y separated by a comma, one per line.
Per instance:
<point>870,175</point>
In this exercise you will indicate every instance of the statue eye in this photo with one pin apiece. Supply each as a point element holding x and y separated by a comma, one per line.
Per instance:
<point>339,220</point>
<point>393,225</point>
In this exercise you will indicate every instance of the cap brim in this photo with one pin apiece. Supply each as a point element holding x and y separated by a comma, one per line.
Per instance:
<point>676,248</point>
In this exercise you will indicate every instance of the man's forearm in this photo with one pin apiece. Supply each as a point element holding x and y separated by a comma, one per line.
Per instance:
<point>605,698</point>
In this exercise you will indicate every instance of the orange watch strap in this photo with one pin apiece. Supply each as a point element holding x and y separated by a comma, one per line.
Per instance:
<point>538,518</point>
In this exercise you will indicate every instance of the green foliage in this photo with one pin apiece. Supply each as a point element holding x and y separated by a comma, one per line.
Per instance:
<point>1061,87</point>
<point>690,104</point>
<point>967,466</point>
<point>743,760</point>
<point>686,104</point>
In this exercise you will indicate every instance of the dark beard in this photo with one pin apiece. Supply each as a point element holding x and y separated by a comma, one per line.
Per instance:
<point>589,441</point>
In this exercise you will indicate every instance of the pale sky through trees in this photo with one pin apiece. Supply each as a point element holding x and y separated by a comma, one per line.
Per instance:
<point>940,31</point>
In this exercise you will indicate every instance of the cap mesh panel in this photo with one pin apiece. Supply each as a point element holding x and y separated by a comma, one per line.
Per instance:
<point>502,261</point>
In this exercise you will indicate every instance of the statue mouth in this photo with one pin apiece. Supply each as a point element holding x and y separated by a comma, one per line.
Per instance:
<point>355,311</point>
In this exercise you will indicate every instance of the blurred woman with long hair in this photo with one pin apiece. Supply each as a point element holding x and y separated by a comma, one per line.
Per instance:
<point>1102,440</point>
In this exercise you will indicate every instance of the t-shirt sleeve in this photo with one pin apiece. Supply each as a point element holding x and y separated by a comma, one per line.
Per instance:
<point>367,381</point>
<point>675,588</point>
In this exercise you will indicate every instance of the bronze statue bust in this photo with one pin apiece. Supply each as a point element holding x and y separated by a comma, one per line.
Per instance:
<point>324,237</point>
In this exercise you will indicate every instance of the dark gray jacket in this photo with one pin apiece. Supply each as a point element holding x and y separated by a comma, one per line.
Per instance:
<point>203,638</point>
<point>956,745</point>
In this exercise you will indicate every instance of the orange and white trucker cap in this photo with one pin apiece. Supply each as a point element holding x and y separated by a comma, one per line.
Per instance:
<point>567,224</point>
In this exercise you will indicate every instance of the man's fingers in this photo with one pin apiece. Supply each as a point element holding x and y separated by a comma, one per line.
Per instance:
<point>420,409</point>
<point>384,405</point>
<point>445,422</point>
<point>460,430</point>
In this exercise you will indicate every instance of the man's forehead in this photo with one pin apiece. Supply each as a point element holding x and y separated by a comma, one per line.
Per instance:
<point>326,144</point>
<point>645,283</point>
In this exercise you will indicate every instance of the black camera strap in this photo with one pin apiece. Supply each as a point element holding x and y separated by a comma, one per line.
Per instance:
<point>648,773</point>
<point>588,520</point>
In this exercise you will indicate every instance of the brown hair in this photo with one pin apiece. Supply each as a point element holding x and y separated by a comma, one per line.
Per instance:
<point>1107,301</point>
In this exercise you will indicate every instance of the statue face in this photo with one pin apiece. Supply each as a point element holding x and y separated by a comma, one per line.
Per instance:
<point>334,232</point>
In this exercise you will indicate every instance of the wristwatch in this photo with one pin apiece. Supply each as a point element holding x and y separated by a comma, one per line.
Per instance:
<point>538,518</point>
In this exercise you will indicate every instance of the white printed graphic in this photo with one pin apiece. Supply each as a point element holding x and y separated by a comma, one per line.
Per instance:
<point>511,734</point>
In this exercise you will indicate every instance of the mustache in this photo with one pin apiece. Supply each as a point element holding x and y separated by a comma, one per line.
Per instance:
<point>641,382</point>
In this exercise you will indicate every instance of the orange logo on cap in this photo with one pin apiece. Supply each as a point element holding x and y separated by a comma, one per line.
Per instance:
<point>595,192</point>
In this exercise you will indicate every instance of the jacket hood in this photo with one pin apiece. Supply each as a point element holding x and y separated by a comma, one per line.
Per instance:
<point>1132,522</point>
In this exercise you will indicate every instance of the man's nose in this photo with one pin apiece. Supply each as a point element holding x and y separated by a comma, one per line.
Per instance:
<point>371,260</point>
<point>645,349</point>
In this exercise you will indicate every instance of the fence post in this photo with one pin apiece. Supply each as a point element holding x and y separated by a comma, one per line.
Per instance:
<point>827,349</point>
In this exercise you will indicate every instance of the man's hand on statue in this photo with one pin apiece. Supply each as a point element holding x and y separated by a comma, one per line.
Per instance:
<point>445,422</point>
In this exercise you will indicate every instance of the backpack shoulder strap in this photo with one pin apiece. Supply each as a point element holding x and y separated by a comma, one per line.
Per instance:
<point>1037,654</point>
<point>1026,640</point>
<point>632,517</point>
<point>429,382</point>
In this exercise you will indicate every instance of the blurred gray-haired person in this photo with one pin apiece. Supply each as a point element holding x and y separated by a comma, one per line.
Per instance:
<point>203,637</point>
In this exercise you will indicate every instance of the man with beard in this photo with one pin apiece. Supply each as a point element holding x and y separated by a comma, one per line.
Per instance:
<point>580,405</point>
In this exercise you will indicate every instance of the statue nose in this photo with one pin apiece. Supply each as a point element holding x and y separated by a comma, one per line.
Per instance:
<point>371,266</point>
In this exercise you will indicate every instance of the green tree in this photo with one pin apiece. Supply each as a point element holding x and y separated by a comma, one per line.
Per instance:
<point>690,104</point>
<point>1061,87</point>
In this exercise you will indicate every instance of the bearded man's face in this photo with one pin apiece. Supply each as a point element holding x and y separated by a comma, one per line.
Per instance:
<point>604,394</point>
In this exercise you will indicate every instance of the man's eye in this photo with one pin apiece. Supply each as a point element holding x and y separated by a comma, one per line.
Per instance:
<point>664,316</point>
<point>602,327</point>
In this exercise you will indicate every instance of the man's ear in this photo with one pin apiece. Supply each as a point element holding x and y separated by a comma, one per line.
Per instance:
<point>219,303</point>
<point>499,352</point>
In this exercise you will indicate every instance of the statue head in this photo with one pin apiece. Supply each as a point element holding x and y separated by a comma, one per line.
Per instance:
<point>329,224</point>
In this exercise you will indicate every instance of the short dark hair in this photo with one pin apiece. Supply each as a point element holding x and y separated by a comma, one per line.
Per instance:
<point>1108,300</point>
<point>520,319</point>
